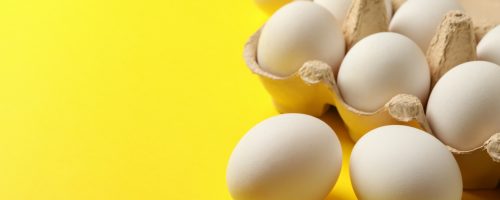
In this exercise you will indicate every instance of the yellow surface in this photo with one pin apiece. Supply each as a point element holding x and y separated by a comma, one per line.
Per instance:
<point>127,99</point>
<point>269,6</point>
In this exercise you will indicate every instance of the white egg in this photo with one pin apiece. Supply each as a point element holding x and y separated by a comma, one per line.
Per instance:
<point>381,66</point>
<point>400,162</point>
<point>419,19</point>
<point>488,48</point>
<point>290,156</point>
<point>464,106</point>
<point>298,32</point>
<point>339,8</point>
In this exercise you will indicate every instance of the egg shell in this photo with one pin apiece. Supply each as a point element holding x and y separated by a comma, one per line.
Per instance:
<point>290,156</point>
<point>419,19</point>
<point>400,162</point>
<point>298,32</point>
<point>464,106</point>
<point>488,48</point>
<point>339,8</point>
<point>381,66</point>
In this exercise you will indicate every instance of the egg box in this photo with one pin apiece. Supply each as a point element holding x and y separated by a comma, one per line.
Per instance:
<point>313,90</point>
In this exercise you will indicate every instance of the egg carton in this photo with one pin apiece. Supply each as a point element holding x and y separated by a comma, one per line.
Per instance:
<point>313,90</point>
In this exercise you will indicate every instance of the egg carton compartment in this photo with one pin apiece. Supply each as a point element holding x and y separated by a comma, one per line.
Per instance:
<point>313,90</point>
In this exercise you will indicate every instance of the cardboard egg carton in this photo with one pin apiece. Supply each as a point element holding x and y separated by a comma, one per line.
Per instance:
<point>313,90</point>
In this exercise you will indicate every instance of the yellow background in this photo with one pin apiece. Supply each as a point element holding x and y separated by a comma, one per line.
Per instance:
<point>128,99</point>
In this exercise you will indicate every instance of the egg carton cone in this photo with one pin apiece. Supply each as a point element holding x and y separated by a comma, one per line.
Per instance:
<point>313,90</point>
<point>355,27</point>
<point>454,43</point>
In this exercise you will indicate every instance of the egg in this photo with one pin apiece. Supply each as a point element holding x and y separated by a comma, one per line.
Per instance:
<point>290,156</point>
<point>298,32</point>
<point>488,48</point>
<point>381,66</point>
<point>399,162</point>
<point>419,19</point>
<point>464,106</point>
<point>339,8</point>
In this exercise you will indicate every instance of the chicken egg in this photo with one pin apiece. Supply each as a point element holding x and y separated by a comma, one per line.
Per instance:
<point>381,66</point>
<point>298,32</point>
<point>339,8</point>
<point>400,162</point>
<point>488,48</point>
<point>419,19</point>
<point>290,156</point>
<point>464,106</point>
